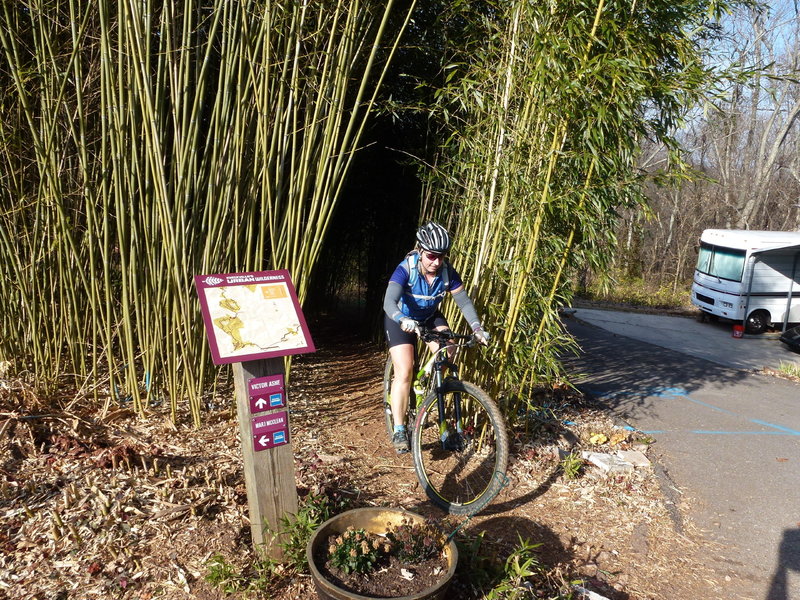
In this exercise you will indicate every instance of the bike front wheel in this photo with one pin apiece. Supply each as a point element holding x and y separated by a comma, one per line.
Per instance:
<point>461,465</point>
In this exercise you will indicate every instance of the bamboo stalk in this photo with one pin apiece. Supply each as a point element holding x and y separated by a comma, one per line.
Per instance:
<point>168,139</point>
<point>533,177</point>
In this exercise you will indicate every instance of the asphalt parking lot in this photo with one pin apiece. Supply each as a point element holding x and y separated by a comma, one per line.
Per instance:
<point>726,433</point>
<point>712,341</point>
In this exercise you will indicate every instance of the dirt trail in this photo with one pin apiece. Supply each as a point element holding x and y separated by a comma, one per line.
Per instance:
<point>127,508</point>
<point>621,534</point>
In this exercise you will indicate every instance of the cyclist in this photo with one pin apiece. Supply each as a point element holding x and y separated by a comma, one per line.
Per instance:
<point>415,290</point>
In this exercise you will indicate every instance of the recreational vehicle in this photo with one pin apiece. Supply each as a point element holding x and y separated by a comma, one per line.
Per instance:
<point>749,276</point>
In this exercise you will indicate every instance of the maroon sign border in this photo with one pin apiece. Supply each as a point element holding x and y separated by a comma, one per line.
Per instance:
<point>203,282</point>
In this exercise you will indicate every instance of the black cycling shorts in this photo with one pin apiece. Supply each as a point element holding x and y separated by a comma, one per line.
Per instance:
<point>396,336</point>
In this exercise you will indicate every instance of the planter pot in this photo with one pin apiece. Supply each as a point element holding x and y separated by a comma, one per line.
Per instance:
<point>373,520</point>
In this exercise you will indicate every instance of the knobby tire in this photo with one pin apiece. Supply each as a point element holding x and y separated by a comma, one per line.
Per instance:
<point>461,481</point>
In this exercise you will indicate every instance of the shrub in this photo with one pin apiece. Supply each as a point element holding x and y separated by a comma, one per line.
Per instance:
<point>357,551</point>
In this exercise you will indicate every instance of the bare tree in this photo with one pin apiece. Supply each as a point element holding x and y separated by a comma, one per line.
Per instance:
<point>754,146</point>
<point>743,148</point>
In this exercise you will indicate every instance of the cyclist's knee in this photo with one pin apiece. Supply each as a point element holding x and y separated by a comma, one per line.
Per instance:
<point>402,373</point>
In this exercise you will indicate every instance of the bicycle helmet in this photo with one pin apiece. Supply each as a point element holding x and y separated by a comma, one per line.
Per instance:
<point>433,238</point>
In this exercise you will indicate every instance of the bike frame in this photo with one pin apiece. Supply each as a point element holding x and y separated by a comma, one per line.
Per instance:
<point>435,367</point>
<point>467,468</point>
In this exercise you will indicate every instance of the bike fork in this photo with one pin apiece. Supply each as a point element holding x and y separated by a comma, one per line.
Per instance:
<point>444,432</point>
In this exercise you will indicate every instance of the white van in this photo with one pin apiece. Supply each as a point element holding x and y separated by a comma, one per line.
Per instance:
<point>752,273</point>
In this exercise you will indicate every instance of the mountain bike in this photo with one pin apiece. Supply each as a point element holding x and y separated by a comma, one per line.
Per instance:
<point>459,442</point>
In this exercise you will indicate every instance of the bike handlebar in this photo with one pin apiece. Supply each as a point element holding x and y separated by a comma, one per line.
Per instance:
<point>443,336</point>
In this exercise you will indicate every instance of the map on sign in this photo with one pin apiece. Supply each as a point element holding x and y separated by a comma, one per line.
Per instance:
<point>252,315</point>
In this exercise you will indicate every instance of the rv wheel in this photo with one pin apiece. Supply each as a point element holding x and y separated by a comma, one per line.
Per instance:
<point>757,322</point>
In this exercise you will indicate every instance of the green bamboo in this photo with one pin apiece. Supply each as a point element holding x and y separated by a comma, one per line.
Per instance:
<point>533,182</point>
<point>167,139</point>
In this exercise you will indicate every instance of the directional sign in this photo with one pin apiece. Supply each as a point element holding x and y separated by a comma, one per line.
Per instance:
<point>266,393</point>
<point>270,430</point>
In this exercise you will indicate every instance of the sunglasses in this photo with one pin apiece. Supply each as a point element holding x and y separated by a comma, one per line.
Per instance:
<point>432,256</point>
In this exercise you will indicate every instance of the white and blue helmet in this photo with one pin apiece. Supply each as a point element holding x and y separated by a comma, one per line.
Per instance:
<point>433,238</point>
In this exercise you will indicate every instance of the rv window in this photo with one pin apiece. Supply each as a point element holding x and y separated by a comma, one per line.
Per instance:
<point>725,263</point>
<point>728,263</point>
<point>704,258</point>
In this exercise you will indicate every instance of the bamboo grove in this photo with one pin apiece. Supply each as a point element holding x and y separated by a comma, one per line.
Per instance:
<point>547,122</point>
<point>144,142</point>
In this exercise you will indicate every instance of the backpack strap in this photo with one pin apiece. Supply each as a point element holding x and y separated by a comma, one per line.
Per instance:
<point>413,270</point>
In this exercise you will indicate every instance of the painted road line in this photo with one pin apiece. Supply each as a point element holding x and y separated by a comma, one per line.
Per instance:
<point>707,432</point>
<point>786,429</point>
<point>672,392</point>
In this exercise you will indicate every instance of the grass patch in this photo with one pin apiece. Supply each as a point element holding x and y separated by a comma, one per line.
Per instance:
<point>509,573</point>
<point>571,465</point>
<point>639,292</point>
<point>789,369</point>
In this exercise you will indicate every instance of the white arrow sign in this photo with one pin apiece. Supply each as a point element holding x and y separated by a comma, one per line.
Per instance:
<point>261,403</point>
<point>263,440</point>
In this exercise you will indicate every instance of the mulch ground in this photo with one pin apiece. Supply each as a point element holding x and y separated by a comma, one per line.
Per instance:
<point>120,507</point>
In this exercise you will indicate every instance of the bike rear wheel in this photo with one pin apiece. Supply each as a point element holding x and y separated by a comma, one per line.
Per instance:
<point>465,472</point>
<point>388,375</point>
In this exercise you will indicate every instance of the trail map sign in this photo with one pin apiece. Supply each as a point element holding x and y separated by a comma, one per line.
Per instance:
<point>252,315</point>
<point>253,320</point>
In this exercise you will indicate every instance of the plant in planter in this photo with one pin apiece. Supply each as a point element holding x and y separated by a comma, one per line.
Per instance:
<point>381,553</point>
<point>414,542</point>
<point>356,551</point>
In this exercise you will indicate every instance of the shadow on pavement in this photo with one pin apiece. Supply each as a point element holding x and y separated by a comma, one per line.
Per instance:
<point>788,560</point>
<point>625,372</point>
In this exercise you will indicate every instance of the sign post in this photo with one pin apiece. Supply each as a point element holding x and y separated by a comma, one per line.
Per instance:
<point>253,320</point>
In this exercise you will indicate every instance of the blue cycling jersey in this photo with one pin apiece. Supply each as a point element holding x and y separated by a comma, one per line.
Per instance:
<point>420,299</point>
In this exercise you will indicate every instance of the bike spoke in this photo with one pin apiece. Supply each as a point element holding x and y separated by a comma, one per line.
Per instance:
<point>460,468</point>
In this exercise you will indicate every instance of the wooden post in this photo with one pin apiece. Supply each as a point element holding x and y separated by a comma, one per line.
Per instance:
<point>253,320</point>
<point>269,474</point>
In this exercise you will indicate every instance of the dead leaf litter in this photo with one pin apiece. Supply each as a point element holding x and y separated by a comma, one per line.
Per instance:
<point>122,507</point>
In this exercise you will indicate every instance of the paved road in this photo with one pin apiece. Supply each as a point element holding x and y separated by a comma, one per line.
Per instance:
<point>728,436</point>
<point>712,341</point>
